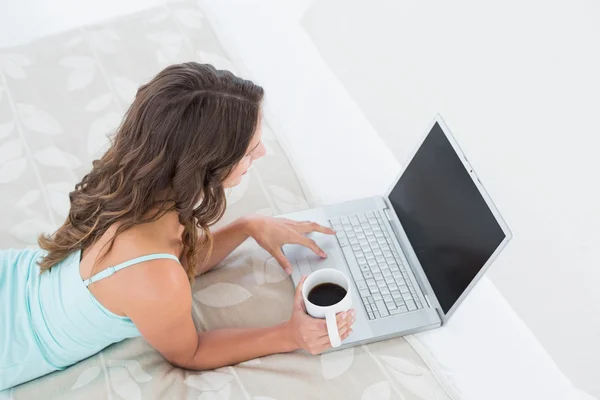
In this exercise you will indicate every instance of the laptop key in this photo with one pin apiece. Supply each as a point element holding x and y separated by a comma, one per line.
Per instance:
<point>360,284</point>
<point>374,289</point>
<point>381,284</point>
<point>377,297</point>
<point>387,297</point>
<point>395,311</point>
<point>364,293</point>
<point>403,309</point>
<point>382,309</point>
<point>371,315</point>
<point>367,274</point>
<point>411,305</point>
<point>385,291</point>
<point>406,296</point>
<point>371,282</point>
<point>390,305</point>
<point>403,289</point>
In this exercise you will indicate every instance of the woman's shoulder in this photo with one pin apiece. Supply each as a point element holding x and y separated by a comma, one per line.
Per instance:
<point>146,268</point>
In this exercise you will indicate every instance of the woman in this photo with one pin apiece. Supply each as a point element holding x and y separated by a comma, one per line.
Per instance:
<point>137,234</point>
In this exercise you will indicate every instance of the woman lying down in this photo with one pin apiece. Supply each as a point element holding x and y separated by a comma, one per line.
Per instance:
<point>138,233</point>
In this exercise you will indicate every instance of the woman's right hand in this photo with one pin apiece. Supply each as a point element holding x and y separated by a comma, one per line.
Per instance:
<point>310,333</point>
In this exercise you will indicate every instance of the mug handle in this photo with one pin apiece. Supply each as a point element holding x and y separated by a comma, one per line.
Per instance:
<point>332,329</point>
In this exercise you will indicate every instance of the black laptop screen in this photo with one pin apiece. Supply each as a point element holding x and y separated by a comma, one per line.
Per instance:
<point>451,228</point>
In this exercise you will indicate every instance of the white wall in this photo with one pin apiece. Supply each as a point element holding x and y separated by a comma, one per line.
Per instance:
<point>519,85</point>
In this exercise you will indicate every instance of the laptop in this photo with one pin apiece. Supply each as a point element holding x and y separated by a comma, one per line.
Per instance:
<point>415,253</point>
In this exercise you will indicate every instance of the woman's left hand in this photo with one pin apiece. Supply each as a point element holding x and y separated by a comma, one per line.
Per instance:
<point>272,233</point>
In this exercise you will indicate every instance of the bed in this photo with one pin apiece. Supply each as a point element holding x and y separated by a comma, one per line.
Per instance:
<point>59,97</point>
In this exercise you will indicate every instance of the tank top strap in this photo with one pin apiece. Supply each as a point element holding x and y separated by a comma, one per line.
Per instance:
<point>111,270</point>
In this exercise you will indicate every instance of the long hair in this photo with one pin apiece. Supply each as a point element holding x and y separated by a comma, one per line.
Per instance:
<point>180,139</point>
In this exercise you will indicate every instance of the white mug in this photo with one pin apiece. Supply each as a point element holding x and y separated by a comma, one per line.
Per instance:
<point>328,275</point>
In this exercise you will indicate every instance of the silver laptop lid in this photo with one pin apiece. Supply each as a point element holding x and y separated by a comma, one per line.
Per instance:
<point>453,227</point>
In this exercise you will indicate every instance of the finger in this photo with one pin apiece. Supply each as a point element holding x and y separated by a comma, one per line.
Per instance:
<point>323,341</point>
<point>322,348</point>
<point>298,300</point>
<point>346,334</point>
<point>308,226</point>
<point>311,244</point>
<point>282,260</point>
<point>318,325</point>
<point>345,318</point>
<point>344,331</point>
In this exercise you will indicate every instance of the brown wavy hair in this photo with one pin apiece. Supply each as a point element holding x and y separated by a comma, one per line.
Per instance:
<point>180,139</point>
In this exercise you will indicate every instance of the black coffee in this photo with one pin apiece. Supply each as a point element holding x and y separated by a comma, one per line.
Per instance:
<point>326,294</point>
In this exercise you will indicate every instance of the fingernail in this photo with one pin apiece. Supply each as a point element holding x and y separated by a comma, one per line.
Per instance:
<point>352,312</point>
<point>289,271</point>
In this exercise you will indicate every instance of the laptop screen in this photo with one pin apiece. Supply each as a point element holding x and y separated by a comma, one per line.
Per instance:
<point>450,227</point>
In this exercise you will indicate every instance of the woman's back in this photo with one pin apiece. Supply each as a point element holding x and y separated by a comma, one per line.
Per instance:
<point>53,319</point>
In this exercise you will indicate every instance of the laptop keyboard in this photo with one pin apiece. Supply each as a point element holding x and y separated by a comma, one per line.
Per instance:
<point>379,274</point>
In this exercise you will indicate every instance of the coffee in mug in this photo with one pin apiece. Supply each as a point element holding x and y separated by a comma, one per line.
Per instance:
<point>326,294</point>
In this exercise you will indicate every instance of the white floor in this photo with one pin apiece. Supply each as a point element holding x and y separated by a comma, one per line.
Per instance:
<point>549,277</point>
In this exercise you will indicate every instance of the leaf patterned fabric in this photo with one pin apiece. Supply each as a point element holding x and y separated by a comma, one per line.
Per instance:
<point>59,98</point>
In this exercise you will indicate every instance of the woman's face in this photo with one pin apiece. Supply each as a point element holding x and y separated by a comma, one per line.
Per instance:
<point>255,151</point>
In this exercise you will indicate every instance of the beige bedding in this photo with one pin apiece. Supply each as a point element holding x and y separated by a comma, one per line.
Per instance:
<point>59,96</point>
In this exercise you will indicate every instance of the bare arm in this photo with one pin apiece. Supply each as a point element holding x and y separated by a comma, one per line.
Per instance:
<point>164,318</point>
<point>226,239</point>
<point>270,233</point>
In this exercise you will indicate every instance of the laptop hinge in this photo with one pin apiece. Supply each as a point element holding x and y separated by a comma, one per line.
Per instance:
<point>427,300</point>
<point>387,214</point>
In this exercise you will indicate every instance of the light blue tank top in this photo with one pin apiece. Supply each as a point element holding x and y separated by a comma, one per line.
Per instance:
<point>51,320</point>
